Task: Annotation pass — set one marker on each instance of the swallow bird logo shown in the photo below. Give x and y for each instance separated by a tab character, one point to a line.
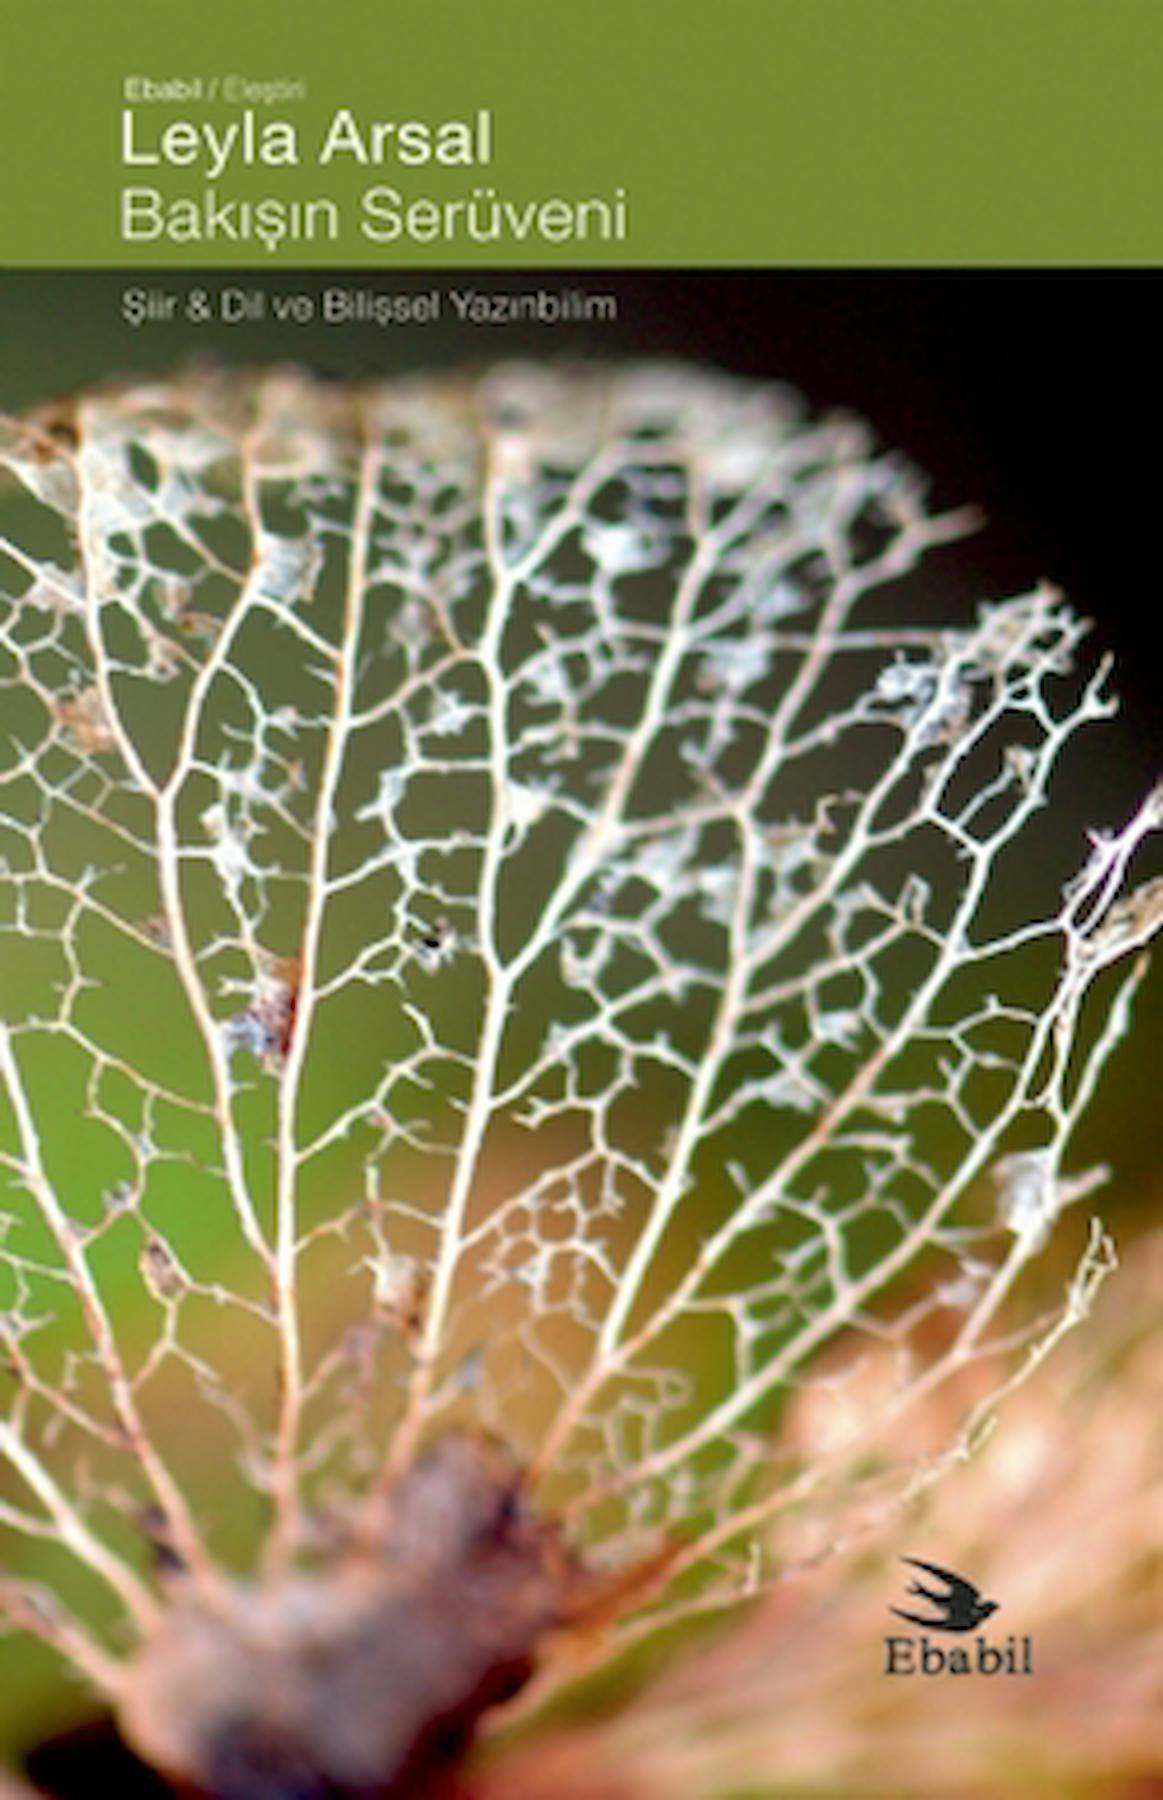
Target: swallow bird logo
959	1605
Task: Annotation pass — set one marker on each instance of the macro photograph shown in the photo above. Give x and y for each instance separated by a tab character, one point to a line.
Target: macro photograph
578	1044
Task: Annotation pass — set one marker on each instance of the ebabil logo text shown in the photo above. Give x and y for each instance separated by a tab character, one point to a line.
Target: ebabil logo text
952	1605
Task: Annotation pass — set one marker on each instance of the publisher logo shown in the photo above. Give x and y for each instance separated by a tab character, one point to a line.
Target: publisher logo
956	1603
951	1604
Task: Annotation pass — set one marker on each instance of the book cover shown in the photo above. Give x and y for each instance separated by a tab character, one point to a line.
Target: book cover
579	808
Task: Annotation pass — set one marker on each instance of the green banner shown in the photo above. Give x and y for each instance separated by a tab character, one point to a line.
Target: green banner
509	133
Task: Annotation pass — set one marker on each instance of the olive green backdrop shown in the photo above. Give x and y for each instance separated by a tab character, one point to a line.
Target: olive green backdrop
776	131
